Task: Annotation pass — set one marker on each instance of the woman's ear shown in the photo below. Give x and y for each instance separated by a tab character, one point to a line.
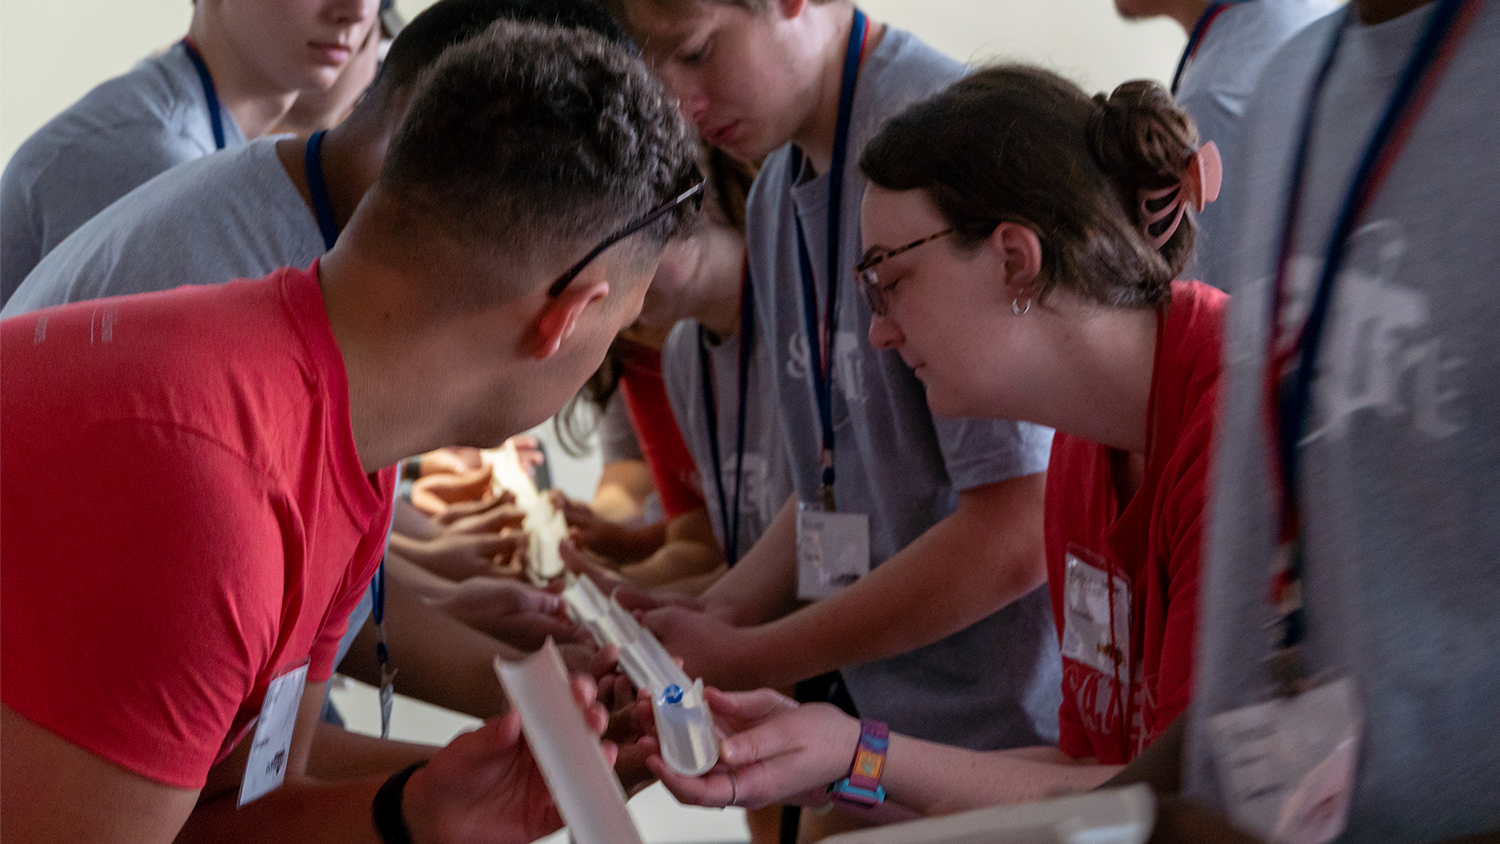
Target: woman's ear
1020	251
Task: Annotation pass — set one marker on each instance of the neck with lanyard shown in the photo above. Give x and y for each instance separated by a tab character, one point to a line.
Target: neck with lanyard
1291	362
729	514
328	227
210	93
1195	38
317	189
820	338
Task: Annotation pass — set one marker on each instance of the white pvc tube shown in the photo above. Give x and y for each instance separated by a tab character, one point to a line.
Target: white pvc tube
584	786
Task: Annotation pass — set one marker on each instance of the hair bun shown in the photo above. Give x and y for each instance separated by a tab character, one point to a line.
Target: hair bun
1141	137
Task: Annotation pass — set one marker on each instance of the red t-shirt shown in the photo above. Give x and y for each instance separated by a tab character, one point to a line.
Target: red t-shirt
1128	660
672	467
184	515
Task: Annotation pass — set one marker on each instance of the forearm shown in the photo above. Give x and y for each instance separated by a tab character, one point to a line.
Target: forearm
693	586
939	779
623	544
437	565
438	658
674	562
409	521
338	754
690	550
415	579
623	487
302	810
982	557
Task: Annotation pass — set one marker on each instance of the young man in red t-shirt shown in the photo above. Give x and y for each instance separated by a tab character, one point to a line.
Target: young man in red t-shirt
231	447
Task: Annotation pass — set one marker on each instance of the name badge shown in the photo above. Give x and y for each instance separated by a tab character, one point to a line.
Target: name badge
1287	765
266	768
1096	618
833	550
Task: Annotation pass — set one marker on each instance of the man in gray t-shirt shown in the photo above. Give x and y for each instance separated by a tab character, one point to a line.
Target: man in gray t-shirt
230	79
1400	457
948	638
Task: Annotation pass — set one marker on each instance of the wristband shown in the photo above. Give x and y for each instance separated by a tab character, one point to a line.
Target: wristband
390	823
862	786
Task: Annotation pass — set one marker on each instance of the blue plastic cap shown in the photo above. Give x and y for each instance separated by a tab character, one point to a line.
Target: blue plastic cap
672	694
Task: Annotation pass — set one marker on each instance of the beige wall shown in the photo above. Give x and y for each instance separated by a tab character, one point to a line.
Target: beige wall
52	51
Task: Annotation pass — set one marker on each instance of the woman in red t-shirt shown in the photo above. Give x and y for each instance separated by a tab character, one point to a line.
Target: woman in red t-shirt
1023	245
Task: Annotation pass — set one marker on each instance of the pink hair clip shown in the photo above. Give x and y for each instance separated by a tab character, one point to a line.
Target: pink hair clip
1199	186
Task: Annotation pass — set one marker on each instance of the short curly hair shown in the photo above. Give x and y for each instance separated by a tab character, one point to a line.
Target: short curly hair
756	7
530	136
448	22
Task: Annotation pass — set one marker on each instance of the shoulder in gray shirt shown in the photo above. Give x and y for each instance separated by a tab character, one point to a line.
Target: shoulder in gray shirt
232	215
120	134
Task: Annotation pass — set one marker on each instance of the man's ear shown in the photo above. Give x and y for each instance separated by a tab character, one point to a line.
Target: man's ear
1020	251
560	315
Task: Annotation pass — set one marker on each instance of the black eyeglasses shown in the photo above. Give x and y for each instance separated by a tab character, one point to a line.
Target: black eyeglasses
693	194
876	295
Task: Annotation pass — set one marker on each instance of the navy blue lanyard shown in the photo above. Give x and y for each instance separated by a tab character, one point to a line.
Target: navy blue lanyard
210	93
1291	388
317	188
1195	38
820	343
729	516
1290	371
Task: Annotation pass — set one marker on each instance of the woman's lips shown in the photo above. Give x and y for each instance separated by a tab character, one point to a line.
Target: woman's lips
724	134
332	53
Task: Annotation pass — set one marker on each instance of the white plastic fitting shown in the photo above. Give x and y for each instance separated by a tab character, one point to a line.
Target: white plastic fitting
684	723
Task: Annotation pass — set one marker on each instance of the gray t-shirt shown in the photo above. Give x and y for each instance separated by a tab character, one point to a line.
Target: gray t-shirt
1214	88
119	135
1402	452
232	215
997	683
766	479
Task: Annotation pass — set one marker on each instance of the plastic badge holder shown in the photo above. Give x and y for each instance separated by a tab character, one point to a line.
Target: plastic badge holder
684	723
1109	816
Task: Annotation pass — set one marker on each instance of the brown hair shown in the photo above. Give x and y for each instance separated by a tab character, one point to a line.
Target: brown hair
758	7
1023	145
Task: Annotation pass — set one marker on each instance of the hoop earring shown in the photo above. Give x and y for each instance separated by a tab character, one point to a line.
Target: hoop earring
1015	307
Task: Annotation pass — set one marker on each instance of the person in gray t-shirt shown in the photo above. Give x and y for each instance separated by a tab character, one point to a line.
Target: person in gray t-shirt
949	637
1228	47
703	287
1399	459
230	79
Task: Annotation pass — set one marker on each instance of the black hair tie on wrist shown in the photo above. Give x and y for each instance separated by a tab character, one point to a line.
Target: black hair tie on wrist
390	823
